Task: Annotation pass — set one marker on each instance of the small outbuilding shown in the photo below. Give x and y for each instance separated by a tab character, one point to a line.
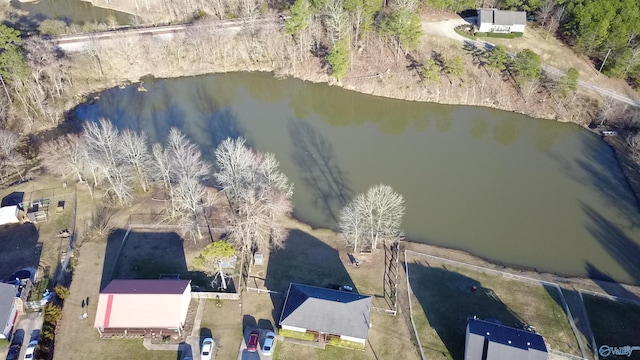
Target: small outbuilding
143	307
487	340
501	21
8	310
327	313
9	215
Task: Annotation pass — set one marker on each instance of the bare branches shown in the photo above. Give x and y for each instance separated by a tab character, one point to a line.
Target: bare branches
258	193
373	218
9	157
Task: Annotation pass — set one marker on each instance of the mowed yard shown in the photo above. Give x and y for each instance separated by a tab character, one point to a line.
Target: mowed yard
317	257
614	323
445	296
148	254
36	245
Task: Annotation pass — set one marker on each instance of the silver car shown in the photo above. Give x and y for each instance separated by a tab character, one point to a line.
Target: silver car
207	349
269	343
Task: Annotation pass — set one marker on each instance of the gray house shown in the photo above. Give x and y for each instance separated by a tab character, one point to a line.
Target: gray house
492	341
501	21
326	312
8	309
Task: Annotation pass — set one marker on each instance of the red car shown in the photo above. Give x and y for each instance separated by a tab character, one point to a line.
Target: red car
252	345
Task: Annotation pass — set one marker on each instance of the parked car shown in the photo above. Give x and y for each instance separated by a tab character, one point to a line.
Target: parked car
14	352
207	349
28	355
269	343
252	345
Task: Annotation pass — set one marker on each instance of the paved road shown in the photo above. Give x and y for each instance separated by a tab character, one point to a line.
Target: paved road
445	28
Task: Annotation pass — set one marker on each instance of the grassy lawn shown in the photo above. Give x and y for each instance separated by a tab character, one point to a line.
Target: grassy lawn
37	245
613	323
442	307
224	324
317	258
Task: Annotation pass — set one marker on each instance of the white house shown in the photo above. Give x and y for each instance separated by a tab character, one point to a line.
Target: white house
501	21
326	312
143	307
9	215
491	341
8	309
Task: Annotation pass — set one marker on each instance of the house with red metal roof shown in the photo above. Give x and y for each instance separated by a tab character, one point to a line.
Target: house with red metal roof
143	307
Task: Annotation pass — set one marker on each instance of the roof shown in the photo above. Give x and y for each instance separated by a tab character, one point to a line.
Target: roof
502	17
7	299
326	310
9	211
165	286
143	304
508	336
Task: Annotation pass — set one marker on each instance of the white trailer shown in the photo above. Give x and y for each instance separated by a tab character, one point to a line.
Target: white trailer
9	215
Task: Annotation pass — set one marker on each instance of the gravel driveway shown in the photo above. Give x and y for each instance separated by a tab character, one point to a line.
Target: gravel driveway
445	28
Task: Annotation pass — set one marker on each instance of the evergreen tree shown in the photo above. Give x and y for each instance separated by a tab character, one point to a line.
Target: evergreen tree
497	58
527	66
338	58
404	26
298	20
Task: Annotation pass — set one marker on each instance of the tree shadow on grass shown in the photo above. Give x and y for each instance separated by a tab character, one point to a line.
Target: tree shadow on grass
19	248
614	323
149	255
306	260
448	300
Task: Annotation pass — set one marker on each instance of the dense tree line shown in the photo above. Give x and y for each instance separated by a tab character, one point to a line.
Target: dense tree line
351	24
601	28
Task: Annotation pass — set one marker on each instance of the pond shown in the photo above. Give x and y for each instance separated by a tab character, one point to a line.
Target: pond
75	11
506	187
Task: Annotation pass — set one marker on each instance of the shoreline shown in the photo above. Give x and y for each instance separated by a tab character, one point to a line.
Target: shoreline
617	145
576	283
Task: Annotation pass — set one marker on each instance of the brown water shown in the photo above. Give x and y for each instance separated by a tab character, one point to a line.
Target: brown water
75	11
510	188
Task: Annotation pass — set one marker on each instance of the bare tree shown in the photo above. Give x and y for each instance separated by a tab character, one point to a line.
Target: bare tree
135	151
545	12
9	157
189	198
186	158
104	151
373	218
67	157
258	194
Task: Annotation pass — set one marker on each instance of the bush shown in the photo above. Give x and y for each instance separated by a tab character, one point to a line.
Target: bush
512	35
52	27
296	335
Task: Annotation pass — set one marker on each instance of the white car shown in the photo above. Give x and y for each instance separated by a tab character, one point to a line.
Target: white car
207	349
269	343
28	355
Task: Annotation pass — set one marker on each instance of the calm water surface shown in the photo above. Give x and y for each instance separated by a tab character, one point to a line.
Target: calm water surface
506	187
76	11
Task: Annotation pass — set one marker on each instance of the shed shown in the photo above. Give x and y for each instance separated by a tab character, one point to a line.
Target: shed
327	312
491	341
143	307
9	215
501	21
8	309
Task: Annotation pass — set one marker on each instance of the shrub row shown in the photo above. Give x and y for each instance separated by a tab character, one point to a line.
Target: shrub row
512	35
